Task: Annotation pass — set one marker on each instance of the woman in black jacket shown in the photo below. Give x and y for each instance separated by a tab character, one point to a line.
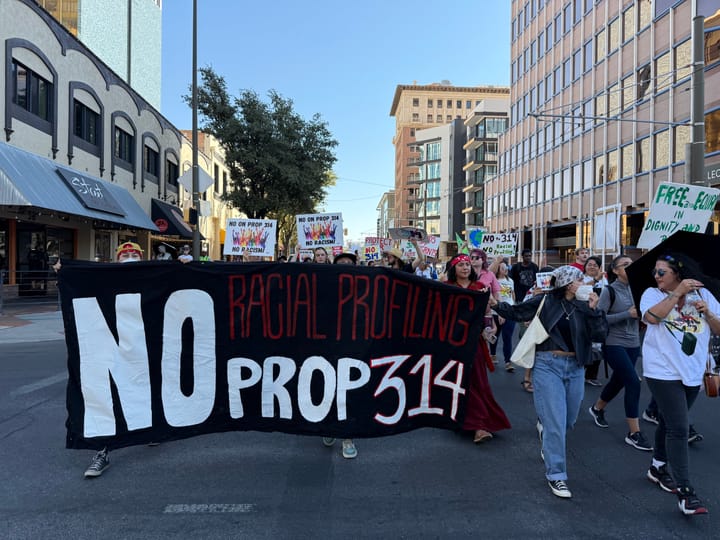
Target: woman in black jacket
558	374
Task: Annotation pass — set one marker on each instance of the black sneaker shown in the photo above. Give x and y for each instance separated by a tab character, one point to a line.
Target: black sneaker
689	504
639	441
650	417
559	489
99	463
598	416
694	436
661	477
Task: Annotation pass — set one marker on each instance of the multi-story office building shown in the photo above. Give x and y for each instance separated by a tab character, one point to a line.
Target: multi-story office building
386	214
84	157
600	108
487	122
125	34
437	192
419	107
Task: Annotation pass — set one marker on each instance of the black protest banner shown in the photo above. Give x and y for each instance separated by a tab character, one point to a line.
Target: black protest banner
160	351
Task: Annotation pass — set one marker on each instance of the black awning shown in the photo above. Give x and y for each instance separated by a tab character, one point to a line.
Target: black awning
169	220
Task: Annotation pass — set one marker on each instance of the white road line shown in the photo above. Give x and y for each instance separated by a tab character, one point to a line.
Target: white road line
42	383
208	508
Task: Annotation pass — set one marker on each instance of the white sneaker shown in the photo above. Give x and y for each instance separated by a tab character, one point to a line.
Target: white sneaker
348	449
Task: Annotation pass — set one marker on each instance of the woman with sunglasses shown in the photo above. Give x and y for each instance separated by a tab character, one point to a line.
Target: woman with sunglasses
483	415
622	350
676	311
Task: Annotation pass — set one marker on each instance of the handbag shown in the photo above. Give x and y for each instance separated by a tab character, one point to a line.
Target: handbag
688	342
524	353
711	378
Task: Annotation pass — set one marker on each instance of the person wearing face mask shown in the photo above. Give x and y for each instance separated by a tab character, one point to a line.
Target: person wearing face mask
572	325
681	315
622	350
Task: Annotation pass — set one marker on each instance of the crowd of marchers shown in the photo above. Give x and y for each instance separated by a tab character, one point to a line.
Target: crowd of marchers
591	320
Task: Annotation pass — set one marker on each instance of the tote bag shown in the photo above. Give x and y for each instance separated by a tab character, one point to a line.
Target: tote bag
524	353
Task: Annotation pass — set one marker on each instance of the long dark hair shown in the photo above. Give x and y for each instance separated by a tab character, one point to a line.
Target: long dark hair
612	276
452	275
684	266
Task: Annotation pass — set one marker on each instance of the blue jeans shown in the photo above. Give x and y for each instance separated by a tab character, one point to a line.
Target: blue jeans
559	389
622	361
505	332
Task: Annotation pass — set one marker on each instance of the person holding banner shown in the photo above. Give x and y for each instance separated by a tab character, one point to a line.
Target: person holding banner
125	253
483	415
572	324
349	451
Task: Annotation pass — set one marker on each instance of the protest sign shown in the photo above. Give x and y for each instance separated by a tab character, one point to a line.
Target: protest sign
408	233
319	230
374	247
160	352
499	244
677	207
430	246
250	237
475	237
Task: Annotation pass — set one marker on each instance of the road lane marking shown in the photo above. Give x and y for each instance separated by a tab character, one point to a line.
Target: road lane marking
37	385
208	508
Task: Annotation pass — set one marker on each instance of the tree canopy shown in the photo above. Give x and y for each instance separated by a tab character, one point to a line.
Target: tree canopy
279	162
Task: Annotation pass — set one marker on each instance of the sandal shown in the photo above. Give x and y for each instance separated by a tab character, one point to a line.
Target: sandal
482	436
527	386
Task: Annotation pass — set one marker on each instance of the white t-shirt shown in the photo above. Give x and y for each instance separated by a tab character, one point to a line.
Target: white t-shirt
662	356
507	288
185	258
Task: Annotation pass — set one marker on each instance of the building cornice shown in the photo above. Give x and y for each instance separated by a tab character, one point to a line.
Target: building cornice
400	88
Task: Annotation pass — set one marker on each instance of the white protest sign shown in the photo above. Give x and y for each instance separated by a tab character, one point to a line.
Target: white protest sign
319	230
499	244
430	247
408	250
677	207
374	247
250	237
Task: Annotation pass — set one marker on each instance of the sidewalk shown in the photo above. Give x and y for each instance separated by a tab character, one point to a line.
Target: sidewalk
30	323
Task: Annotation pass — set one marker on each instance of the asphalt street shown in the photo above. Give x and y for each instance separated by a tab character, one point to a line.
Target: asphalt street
424	484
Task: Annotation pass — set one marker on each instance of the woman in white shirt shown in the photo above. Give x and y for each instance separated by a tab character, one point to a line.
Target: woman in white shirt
681	315
505	327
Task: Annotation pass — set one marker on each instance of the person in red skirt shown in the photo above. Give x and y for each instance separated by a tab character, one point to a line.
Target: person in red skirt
483	415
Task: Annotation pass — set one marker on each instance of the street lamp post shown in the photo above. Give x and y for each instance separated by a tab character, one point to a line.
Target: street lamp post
195	172
695	150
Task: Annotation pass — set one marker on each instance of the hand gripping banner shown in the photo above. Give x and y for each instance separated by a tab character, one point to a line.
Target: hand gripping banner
159	351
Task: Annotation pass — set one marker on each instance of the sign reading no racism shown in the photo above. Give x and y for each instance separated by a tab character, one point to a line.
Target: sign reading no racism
158	352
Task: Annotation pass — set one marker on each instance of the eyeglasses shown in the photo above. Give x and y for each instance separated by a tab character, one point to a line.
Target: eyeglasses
659	272
475	257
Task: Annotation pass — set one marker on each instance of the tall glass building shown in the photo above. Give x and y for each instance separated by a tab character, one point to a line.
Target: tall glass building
125	34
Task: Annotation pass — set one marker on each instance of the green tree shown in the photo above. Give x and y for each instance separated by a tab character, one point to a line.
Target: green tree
279	162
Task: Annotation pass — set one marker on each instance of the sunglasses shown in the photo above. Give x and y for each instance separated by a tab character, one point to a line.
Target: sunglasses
476	257
659	272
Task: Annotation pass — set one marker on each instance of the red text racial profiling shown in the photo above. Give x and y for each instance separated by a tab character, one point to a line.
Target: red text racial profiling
361	308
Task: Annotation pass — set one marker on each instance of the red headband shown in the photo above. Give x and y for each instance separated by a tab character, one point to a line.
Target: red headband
459	258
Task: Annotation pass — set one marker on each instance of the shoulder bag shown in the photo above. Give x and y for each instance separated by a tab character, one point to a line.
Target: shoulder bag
524	353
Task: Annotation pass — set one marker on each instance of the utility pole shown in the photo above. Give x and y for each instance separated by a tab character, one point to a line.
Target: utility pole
195	172
695	149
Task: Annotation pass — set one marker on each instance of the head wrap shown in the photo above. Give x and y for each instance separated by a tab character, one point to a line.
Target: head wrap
126	247
565	275
459	258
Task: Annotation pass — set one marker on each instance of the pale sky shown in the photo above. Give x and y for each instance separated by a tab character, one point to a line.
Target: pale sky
342	60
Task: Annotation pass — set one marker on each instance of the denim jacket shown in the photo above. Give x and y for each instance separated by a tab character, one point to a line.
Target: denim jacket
586	325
